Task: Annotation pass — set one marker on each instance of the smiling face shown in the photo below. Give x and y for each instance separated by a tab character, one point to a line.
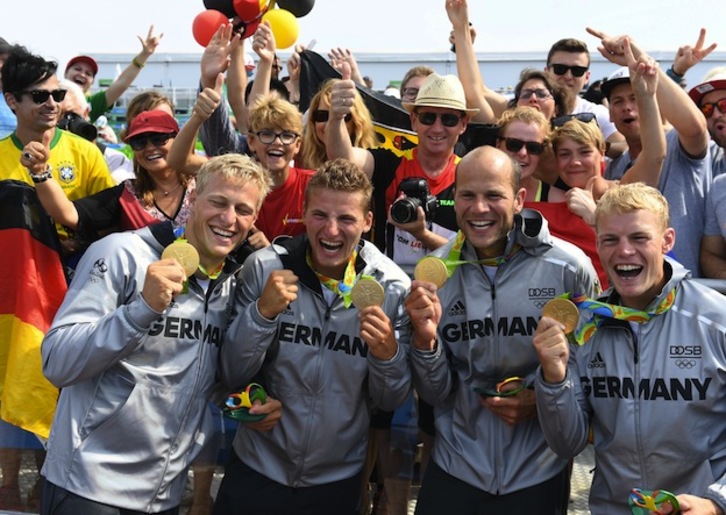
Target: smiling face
437	138
624	111
82	74
485	201
334	222
153	157
274	156
221	217
36	118
577	162
527	132
528	97
631	247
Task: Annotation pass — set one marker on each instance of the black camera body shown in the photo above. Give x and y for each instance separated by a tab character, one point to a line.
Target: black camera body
77	125
417	193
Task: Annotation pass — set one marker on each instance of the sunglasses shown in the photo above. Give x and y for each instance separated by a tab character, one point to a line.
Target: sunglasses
561	69
322	115
583	117
158	140
540	93
447	119
286	137
515	145
707	109
41	96
410	92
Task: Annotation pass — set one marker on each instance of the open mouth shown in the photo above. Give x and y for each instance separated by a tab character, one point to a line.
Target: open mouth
221	233
481	224
153	157
331	246
628	271
629	120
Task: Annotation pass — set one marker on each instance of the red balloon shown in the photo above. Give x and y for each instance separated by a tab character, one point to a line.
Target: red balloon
247	10
206	24
250	28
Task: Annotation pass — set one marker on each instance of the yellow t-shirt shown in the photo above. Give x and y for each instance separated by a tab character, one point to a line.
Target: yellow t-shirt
78	165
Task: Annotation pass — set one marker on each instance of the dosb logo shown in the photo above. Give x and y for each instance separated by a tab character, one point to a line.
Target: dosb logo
541	292
685	350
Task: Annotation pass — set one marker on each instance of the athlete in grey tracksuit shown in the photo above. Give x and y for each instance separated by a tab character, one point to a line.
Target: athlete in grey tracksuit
312	358
485	336
132	413
655	396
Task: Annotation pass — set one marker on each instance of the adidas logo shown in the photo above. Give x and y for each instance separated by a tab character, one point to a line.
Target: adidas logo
596	362
457	309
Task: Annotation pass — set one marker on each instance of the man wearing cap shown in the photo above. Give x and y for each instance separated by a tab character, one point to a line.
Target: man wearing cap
710	97
439	115
686	174
37	149
83	69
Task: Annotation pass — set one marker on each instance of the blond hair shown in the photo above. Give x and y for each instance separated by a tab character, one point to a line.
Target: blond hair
341	175
237	167
635	196
271	111
583	133
526	115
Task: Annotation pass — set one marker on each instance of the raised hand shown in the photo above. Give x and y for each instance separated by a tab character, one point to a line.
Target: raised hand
688	56
377	331
643	71
611	48
216	56
263	42
209	99
35	154
458	13
148	45
342	94
280	290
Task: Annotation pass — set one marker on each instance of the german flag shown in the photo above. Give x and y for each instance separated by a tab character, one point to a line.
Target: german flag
390	120
33	286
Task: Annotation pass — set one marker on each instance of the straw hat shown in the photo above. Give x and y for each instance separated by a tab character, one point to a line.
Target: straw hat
440	91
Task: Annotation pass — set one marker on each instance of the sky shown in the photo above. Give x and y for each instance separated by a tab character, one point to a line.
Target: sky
61	30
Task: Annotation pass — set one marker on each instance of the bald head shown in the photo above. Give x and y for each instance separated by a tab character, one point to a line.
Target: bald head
491	159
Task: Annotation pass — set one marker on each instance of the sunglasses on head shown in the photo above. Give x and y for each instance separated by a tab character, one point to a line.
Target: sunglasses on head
583	117
41	96
515	145
447	119
158	140
561	69
322	115
707	109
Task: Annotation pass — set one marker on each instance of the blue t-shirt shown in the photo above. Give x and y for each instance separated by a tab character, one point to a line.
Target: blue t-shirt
8	122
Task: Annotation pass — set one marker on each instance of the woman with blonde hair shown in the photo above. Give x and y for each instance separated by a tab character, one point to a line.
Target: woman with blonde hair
358	123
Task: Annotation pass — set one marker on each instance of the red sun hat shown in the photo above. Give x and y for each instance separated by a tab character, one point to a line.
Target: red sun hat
156	120
90	61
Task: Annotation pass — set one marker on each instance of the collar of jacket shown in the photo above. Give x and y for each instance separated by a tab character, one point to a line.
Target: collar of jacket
294	260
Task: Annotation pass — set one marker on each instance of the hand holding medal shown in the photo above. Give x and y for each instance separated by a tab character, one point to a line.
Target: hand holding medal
564	311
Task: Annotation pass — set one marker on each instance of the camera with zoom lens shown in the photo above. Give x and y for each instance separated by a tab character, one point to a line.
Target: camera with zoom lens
74	123
416	189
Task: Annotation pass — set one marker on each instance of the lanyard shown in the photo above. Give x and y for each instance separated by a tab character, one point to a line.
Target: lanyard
342	287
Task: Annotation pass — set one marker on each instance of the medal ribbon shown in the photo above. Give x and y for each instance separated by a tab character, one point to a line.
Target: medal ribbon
453	260
602	310
343	287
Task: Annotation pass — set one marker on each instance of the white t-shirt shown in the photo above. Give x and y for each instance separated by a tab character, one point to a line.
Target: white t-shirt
601	112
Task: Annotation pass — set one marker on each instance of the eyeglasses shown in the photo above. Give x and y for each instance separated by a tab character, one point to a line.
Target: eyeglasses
540	93
515	145
561	69
707	109
158	140
286	137
583	117
41	96
410	92
447	119
322	115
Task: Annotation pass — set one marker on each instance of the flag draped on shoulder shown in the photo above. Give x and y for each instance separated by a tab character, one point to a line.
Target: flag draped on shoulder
33	286
390	120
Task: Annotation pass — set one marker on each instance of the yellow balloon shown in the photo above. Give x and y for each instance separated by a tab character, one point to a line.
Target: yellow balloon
284	27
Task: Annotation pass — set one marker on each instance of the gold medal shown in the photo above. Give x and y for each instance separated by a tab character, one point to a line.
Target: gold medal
564	311
367	292
186	255
431	269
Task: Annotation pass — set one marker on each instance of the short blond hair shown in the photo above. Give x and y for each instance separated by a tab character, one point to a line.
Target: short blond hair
271	112
237	167
584	133
635	196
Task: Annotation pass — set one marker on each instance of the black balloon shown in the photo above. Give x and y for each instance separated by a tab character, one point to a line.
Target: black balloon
297	7
226	7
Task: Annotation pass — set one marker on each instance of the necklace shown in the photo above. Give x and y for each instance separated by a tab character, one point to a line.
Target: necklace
167	193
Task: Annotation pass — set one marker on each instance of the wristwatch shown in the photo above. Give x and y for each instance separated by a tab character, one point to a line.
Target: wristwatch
43	176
